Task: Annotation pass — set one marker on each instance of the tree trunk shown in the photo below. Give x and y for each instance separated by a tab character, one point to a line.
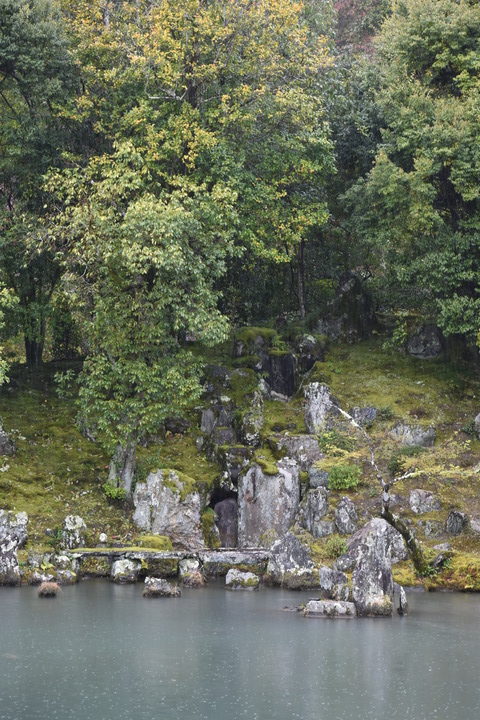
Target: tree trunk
122	466
33	352
413	546
301	279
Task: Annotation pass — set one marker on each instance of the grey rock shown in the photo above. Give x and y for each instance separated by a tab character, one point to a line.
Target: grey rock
157	587
313	508
267	502
317	477
238	580
476	423
324	528
346	518
414	435
310	350
333	584
395	544
281	372
329	609
431	528
319	407
125	571
425	343
443	547
223	435
13	535
73	532
190	573
226	512
253	421
400	602
219	562
372	575
291	565
475	524
235	459
7	445
163	508
423	501
457	522
364	416
302	448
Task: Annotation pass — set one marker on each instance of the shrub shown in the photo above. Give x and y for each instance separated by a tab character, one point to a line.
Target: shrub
332	441
396	464
344	477
335	546
113	493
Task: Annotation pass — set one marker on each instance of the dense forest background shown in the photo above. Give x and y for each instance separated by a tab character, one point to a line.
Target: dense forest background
171	169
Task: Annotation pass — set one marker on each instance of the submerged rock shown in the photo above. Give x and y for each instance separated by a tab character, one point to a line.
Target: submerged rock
400	601
267	502
329	609
238	580
157	587
164	505
48	590
73	532
13	535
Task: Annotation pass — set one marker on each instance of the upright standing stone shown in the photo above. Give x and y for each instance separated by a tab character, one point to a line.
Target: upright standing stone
73	533
13	535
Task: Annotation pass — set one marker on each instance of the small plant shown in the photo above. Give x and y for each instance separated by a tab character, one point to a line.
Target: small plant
344	477
55	538
385	413
113	493
469	428
396	464
333	442
335	546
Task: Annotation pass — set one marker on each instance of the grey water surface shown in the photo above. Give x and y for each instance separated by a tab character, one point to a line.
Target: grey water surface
102	652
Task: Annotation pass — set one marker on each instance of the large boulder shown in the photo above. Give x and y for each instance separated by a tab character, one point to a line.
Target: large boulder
165	504
423	501
291	565
302	448
313	508
13	535
226	512
329	609
7	446
333	584
267	503
364	416
414	435
238	580
346	517
157	587
394	542
372	574
476	424
310	350
457	522
318	477
320	408
425	343
73	532
125	571
234	460
253	421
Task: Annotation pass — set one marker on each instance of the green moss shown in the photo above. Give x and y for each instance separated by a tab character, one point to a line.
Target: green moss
246	362
281	416
250	333
209	531
242	385
95	567
265	458
344	477
154	542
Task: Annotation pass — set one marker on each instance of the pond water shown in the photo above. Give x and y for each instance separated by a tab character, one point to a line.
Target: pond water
102	652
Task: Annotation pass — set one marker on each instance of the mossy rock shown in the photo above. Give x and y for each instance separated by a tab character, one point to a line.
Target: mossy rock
266	460
160	543
209	529
95	566
160	567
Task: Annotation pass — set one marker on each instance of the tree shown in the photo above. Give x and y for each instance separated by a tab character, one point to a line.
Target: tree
418	209
213	143
36	77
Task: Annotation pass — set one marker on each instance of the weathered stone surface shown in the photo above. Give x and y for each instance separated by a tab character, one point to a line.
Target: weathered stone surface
253	421
218	414
400	601
423	501
267	502
333	584
190	572
157	587
73	532
281	369
320	408
310	350
219	562
13	535
414	435
7	446
476	423
475	524
302	448
456	522
234	460
364	416
223	435
238	580
425	343
324	528
395	544
313	508
372	575
431	528
317	477
290	564
164	506
226	512
346	518
329	609
125	571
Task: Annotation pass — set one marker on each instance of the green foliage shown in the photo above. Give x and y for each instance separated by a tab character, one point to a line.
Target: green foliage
335	546
333	441
113	493
344	477
209	531
396	464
